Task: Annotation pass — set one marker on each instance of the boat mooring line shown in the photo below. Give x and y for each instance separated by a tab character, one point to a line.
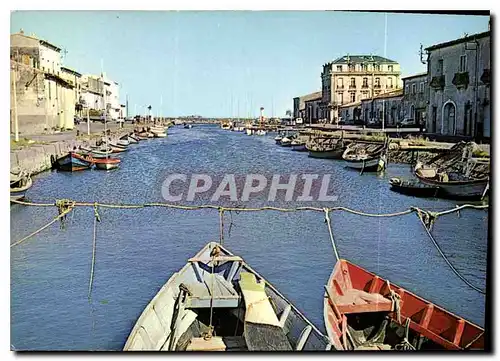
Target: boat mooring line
97	218
328	223
420	217
60	216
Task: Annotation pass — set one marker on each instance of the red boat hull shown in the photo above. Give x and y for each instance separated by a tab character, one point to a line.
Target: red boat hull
353	290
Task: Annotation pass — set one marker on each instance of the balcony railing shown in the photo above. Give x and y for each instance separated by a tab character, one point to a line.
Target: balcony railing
461	80
437	82
340	86
352	86
364	86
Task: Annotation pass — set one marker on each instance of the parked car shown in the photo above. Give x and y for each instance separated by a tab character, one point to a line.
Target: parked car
407	122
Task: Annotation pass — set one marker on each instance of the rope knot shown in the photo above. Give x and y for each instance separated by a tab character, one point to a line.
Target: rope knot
96	213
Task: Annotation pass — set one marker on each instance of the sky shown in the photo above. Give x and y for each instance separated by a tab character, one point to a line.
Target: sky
230	63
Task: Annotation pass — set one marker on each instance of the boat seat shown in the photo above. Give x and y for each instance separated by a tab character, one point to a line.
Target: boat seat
224	294
214	343
358	301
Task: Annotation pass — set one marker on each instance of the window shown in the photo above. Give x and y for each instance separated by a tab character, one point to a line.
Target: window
389	82
341	98
414	88
365	82
339	67
364	67
390	68
351	67
421	86
340	83
463	63
440	67
364	95
376	67
407	89
377	82
353	82
353	97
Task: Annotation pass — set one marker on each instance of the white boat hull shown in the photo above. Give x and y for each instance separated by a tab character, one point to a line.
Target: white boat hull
467	189
172	313
373	164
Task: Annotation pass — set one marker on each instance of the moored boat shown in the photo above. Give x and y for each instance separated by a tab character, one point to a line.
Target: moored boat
73	162
187	126
19	186
365	312
261	132
413	187
116	148
367	157
134	137
278	139
329	148
123	142
286	142
452	184
217	302
107	163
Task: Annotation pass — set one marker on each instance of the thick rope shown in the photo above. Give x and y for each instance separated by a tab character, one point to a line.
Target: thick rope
420	217
97	218
60	216
240	209
328	223
221	222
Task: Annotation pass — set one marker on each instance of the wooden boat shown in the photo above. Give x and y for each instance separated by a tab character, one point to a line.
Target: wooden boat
286	142
330	148
452	184
365	312
248	312
73	162
134	137
116	148
367	157
413	187
101	153
129	139
106	163
158	134
123	142
19	185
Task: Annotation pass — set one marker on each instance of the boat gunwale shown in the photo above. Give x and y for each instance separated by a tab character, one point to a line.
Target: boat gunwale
169	282
406	292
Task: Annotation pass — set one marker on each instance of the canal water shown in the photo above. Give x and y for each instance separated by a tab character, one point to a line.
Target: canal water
138	250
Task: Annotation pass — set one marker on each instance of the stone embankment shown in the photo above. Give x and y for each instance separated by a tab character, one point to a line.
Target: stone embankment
36	156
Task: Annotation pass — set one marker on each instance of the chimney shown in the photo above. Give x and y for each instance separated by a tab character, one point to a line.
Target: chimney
21	31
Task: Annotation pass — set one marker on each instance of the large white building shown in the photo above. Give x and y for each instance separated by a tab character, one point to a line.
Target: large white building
352	78
112	97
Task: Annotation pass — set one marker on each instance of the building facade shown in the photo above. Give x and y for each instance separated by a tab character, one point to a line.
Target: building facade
91	96
41	91
307	107
352	78
312	108
459	87
383	109
351	113
415	98
112	98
